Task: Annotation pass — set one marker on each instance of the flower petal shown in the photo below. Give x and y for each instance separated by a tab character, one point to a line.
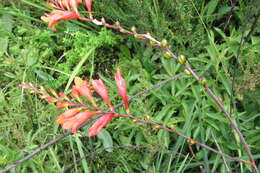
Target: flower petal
84	90
88	4
58	15
67	114
99	124
121	87
101	89
75	122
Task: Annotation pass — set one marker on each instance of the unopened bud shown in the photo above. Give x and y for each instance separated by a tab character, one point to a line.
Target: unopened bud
117	23
187	72
203	82
122	30
138	36
192	142
152	43
157	127
133	29
167	55
147	117
53	92
182	59
164	43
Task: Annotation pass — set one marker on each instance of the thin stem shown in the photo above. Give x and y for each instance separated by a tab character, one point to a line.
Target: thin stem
190	140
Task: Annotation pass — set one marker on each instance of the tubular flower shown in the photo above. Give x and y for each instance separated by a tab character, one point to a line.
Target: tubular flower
67	4
99	124
88	4
76	121
58	15
74	4
101	89
121	87
75	93
78	111
67	114
84	90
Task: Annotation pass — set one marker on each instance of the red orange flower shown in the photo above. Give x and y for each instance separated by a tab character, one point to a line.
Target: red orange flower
76	121
74	4
99	124
75	93
74	117
84	89
68	114
101	89
58	15
121	87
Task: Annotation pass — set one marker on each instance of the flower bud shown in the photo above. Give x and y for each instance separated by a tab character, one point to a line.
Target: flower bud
182	59
157	127
138	36
187	72
152	43
117	24
203	82
164	43
53	92
192	142
133	29
167	55
122	30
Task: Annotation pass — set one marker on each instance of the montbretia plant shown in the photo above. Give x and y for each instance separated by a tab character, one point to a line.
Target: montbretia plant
78	111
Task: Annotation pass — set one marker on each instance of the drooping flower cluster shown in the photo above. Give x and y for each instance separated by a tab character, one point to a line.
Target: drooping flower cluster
65	10
78	111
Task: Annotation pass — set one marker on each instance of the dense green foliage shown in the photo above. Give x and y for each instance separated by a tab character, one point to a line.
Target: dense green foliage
210	33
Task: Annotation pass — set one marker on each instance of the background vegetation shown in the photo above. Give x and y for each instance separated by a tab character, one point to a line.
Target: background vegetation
212	34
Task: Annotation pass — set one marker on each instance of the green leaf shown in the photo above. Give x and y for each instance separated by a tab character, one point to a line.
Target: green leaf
10	75
216	116
226	83
164	137
254	139
78	67
82	154
4	45
6	25
106	138
43	75
211	6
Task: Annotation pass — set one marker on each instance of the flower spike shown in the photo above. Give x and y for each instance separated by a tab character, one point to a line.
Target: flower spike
121	87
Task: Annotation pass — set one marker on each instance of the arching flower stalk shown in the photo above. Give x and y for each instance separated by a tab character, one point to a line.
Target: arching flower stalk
78	111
